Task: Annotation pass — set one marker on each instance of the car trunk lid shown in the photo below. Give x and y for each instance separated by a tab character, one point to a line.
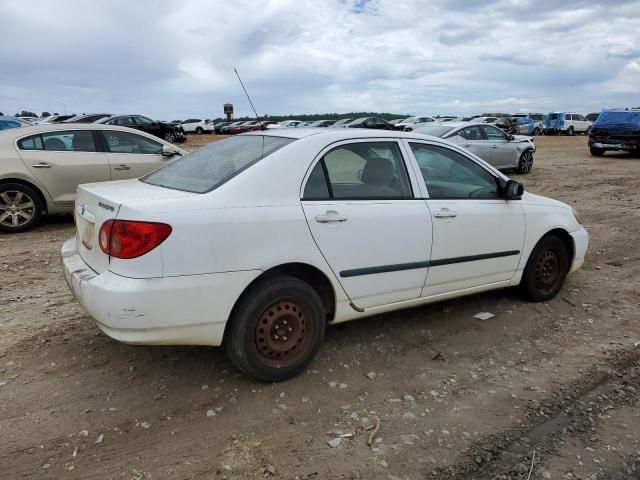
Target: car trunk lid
98	202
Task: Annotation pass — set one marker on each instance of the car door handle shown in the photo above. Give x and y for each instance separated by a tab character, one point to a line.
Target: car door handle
445	213
466	145
330	217
41	165
122	167
494	146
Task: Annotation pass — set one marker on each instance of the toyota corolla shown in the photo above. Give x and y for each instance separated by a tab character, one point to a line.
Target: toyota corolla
260	241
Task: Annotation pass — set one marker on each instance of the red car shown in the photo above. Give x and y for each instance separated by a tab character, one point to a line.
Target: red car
249	126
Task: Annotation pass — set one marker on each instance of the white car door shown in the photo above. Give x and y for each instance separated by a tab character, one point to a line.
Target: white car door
477	235
374	233
131	155
61	160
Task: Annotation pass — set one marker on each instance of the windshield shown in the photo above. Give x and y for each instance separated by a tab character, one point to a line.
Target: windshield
214	164
408	120
434	130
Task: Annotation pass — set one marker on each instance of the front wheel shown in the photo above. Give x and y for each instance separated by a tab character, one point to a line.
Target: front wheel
596	152
276	329
571	132
525	164
199	131
536	132
546	270
169	137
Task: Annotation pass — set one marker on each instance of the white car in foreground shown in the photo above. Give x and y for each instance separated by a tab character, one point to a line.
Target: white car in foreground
259	241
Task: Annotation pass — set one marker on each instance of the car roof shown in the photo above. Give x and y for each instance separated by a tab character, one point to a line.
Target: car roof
54	127
337	134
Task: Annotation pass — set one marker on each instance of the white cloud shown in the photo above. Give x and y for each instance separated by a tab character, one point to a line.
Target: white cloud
175	59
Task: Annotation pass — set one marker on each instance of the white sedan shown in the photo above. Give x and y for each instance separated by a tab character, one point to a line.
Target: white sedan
259	241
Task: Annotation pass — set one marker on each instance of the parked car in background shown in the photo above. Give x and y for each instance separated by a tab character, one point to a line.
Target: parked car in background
371	122
529	123
303	124
380	221
617	129
196	125
411	123
217	127
488	142
565	123
11	122
226	129
395	121
41	166
249	126
29	120
322	123
166	131
592	117
88	118
53	119
285	124
343	122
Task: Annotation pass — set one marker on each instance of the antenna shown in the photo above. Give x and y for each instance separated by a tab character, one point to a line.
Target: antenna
248	97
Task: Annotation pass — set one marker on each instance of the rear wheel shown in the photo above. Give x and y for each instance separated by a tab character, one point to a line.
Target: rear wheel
596	152
570	131
546	270
536	132
20	208
525	164
199	130
276	329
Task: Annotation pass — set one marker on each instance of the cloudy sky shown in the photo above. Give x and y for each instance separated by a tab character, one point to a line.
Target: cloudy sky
175	59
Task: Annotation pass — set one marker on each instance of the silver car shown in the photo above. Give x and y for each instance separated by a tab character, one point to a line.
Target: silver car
41	166
488	142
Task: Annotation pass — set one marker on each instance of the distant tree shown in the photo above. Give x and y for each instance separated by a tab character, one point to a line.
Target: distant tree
45	114
24	113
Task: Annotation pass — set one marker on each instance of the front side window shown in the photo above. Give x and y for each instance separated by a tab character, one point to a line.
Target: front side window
125	142
121	121
364	170
212	165
450	175
494	133
140	120
473	133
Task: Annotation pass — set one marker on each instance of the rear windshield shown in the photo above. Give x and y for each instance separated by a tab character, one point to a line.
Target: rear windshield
619	117
434	130
214	164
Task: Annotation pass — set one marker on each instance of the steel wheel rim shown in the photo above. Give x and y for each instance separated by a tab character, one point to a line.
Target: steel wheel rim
527	162
282	333
16	209
547	271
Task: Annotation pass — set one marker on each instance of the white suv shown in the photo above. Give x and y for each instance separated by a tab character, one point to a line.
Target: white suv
567	123
196	125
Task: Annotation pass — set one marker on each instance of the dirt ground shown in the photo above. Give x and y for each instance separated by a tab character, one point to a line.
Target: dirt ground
549	390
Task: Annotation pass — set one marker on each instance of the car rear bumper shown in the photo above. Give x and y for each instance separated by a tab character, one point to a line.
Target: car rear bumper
581	245
616	145
184	310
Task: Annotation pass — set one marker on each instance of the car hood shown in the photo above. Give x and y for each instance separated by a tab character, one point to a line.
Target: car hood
522	138
529	197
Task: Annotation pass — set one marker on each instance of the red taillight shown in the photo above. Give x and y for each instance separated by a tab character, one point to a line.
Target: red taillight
129	239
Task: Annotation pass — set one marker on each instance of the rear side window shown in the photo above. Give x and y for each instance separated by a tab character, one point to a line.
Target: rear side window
216	163
60	141
34	142
363	170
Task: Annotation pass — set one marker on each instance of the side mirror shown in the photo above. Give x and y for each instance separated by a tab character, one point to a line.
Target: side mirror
511	138
168	151
513	190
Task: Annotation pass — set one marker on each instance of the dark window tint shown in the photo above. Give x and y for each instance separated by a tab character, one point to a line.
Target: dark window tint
214	164
316	187
371	170
125	142
140	120
449	174
34	142
69	141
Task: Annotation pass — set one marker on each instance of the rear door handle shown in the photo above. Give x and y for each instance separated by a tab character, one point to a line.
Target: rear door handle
466	145
494	146
41	165
331	216
445	213
122	167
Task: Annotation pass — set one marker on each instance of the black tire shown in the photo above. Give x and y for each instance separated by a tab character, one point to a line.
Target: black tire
570	131
546	270
536	132
293	318
525	164
199	131
596	152
17	201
